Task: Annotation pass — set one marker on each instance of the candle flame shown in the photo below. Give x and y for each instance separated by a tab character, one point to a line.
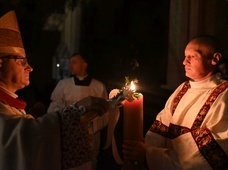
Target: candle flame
132	86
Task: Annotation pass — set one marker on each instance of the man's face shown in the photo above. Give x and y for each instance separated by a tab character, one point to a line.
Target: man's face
198	61
77	65
14	73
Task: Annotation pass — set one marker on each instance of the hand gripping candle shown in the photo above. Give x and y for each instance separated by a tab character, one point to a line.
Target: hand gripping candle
133	119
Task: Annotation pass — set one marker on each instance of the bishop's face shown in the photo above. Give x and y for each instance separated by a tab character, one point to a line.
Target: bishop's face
198	61
14	72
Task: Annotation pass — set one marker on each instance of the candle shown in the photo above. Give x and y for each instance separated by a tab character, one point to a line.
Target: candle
133	122
133	119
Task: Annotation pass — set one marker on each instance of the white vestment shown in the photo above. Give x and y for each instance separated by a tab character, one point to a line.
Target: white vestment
45	143
67	93
186	137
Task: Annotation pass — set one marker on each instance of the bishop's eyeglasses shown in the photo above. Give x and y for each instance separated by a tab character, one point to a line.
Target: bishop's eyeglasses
20	60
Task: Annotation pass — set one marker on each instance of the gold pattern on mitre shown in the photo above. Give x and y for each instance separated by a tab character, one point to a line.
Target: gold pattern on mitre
10	37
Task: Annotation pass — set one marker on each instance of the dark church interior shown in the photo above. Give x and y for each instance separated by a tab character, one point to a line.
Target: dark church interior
142	39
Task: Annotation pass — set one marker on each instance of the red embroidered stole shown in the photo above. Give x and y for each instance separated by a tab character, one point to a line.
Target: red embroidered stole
14	102
177	99
207	145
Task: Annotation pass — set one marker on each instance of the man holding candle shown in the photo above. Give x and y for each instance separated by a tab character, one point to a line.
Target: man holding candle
191	132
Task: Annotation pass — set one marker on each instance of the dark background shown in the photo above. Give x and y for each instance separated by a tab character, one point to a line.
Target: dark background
115	34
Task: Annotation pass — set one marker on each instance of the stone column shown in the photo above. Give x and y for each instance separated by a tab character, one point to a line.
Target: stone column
71	30
177	37
69	43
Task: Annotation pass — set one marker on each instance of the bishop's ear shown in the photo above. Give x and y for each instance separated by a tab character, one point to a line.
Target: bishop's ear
216	58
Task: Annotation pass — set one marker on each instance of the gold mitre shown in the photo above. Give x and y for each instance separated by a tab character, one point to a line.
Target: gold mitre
10	36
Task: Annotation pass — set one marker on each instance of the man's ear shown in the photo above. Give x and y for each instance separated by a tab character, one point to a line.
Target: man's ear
216	58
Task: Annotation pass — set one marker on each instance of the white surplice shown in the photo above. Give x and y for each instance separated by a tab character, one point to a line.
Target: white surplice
182	151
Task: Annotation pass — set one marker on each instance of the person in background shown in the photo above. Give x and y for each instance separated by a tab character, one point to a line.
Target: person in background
75	88
54	141
191	132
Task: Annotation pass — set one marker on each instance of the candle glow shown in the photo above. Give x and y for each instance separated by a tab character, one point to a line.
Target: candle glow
132	86
132	103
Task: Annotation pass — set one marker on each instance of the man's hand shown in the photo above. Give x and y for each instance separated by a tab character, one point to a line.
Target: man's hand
134	151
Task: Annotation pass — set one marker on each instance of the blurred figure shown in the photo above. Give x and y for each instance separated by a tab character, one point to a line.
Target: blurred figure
191	131
55	141
80	85
75	88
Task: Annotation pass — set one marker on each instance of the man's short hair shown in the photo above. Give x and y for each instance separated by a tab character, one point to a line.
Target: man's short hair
211	41
84	56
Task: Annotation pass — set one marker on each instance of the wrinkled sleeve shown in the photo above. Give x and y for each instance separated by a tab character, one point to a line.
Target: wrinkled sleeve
30	144
100	122
164	116
160	154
